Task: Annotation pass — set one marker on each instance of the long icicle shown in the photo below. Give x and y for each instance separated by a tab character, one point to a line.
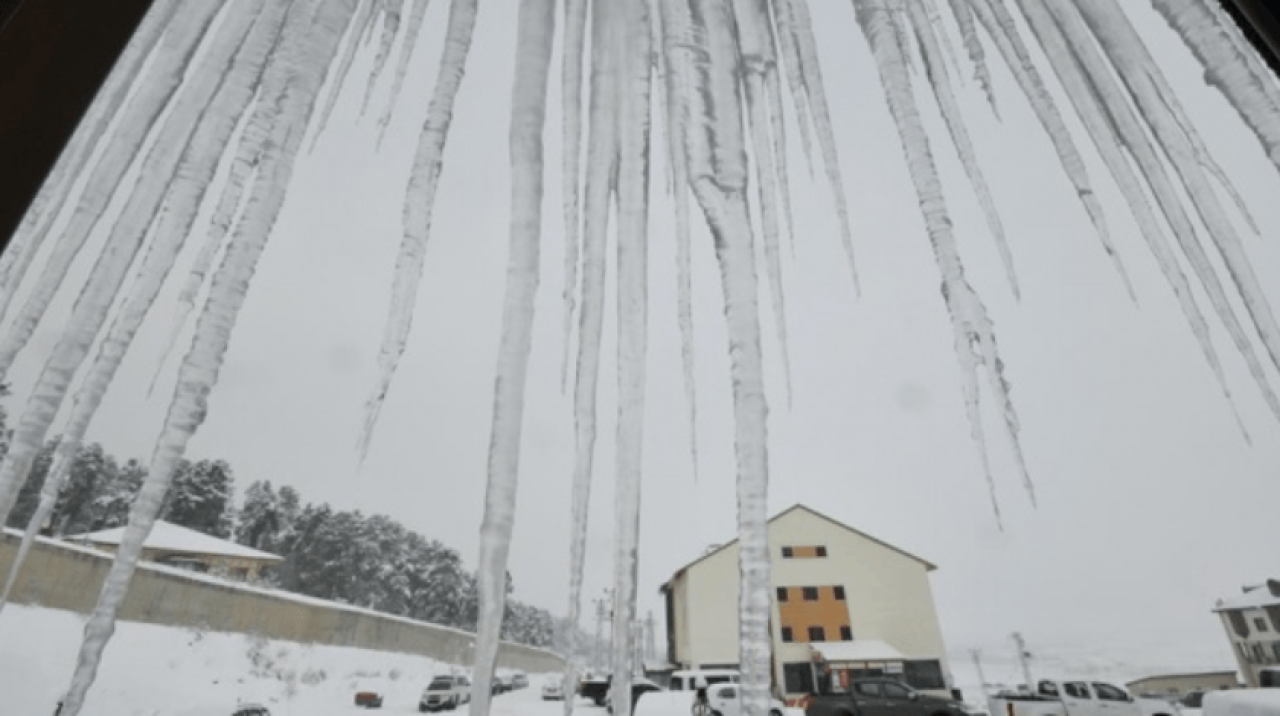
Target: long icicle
292	84
390	28
194	174
757	63
535	36
416	15
999	24
73	161
358	25
719	174
143	110
157	178
602	155
816	92
634	80
420	199
1140	145
1089	107
963	15
1227	68
940	81
974	339
784	23
1126	50
575	23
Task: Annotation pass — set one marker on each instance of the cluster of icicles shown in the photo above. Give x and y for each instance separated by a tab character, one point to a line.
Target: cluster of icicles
237	85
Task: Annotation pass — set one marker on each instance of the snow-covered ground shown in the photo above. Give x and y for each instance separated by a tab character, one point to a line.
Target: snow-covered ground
152	670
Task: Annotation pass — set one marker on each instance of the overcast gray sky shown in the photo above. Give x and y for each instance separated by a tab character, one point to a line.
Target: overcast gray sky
1151	504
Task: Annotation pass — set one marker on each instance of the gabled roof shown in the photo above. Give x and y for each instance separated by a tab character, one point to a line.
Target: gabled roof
929	566
172	538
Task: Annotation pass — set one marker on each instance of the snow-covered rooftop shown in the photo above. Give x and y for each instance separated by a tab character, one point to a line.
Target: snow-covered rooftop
1255	598
858	650
172	538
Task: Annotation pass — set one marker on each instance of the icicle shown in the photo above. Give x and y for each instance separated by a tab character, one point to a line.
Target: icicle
963	15
155	90
1227	68
778	125
1136	139
535	36
757	62
677	32
941	83
817	94
360	22
633	80
974	339
390	28
420	199
939	31
292	83
575	22
156	179
602	155
1087	102
1000	26
789	44
194	174
718	170
73	161
416	14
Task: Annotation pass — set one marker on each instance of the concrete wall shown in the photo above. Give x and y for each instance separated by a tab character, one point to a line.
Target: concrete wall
62	576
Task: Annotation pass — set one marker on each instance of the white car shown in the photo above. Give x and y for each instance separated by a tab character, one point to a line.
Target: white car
553	690
1242	702
445	692
726	700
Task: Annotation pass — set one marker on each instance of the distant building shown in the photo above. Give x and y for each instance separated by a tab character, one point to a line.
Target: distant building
1180	684
180	547
1252	623
843	605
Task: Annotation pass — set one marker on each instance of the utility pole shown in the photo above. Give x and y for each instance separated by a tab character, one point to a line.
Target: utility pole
1024	658
982	680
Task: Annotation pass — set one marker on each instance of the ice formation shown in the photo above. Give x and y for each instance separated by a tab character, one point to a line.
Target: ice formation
234	86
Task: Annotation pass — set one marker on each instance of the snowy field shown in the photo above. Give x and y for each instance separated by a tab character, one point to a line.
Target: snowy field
163	671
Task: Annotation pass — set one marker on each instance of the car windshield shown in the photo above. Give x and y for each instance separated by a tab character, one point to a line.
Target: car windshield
440	685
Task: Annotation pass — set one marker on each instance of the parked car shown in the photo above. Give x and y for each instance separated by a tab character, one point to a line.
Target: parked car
445	692
726	700
687	679
553	690
519	680
503	684
887	697
251	710
369	699
1243	702
1079	698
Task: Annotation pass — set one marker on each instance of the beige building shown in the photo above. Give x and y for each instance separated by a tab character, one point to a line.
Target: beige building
1182	684
1252	622
185	548
844	605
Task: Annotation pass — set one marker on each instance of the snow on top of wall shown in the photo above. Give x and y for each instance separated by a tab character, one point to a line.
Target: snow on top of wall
1255	598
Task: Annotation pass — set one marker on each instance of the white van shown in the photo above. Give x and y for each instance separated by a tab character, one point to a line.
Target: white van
687	680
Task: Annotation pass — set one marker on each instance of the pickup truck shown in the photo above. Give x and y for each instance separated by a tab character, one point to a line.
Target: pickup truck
885	697
1079	698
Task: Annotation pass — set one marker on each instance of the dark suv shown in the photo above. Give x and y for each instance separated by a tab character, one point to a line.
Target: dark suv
884	697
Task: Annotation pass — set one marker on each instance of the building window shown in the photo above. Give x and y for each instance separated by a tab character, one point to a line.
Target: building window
788	553
817	634
787	636
1275	648
820	551
798	677
1258	653
1238	623
1260	624
846	634
839	593
1243	648
782	594
810	594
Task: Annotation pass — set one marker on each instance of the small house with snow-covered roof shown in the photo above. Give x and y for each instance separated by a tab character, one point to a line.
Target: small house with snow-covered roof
1252	622
176	546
